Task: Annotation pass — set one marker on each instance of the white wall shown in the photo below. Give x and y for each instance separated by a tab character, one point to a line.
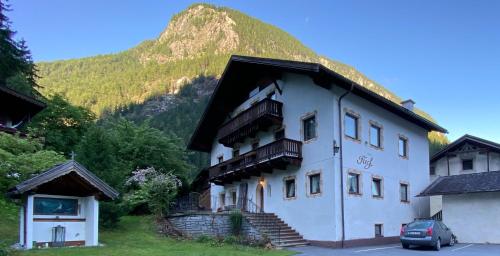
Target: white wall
41	231
318	217
473	218
480	164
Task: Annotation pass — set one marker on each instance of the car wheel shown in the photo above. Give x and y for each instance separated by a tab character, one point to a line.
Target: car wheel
406	246
437	247
452	241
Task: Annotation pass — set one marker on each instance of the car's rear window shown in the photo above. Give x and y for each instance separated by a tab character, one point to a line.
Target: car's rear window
420	224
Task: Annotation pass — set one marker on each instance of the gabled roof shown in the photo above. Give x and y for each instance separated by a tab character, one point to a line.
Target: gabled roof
473	140
70	167
241	75
14	97
464	184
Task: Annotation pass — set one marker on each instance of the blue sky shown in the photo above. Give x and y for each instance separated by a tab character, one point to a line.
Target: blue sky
443	54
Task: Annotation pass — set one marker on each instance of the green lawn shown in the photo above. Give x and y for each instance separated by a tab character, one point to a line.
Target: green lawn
135	236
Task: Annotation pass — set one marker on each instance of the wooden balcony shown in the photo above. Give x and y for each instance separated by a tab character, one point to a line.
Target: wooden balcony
246	124
275	155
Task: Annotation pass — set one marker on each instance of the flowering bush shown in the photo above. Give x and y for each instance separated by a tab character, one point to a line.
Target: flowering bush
153	188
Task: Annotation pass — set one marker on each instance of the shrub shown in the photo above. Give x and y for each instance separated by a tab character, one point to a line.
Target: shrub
110	214
236	219
203	239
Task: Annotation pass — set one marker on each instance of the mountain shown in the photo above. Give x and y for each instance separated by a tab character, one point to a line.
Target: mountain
176	72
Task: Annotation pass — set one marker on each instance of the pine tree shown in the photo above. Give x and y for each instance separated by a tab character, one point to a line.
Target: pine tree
17	68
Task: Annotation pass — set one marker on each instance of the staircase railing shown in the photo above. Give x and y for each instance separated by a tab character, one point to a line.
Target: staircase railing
438	216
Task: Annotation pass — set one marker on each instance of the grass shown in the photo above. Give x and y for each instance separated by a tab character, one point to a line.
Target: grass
134	236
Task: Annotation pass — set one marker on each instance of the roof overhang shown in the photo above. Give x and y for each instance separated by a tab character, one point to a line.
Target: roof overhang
70	171
17	104
464	184
244	73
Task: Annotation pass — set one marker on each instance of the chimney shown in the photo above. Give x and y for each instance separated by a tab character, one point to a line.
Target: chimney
408	104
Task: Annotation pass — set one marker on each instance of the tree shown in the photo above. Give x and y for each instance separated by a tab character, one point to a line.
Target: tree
61	124
17	69
20	158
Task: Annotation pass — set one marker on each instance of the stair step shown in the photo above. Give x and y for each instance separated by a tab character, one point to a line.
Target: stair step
275	229
292	244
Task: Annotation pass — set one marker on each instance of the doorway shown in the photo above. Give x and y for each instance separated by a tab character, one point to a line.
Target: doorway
260	198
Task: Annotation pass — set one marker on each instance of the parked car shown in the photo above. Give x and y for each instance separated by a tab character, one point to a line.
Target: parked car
427	232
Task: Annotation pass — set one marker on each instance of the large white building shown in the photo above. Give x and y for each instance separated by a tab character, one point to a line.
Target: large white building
465	189
337	162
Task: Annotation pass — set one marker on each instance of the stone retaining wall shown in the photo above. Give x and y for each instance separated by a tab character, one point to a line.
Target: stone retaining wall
210	224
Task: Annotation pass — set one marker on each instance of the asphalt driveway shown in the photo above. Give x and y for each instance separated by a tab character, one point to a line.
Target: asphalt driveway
397	250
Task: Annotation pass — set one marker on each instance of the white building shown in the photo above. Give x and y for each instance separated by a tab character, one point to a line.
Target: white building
466	189
60	207
337	162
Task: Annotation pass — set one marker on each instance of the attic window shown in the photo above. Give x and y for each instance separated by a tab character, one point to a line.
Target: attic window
467	164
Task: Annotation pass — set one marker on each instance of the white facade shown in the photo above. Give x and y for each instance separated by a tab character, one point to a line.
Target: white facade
81	228
473	217
318	217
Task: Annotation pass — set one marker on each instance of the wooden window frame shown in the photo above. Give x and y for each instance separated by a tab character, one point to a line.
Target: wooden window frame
471	164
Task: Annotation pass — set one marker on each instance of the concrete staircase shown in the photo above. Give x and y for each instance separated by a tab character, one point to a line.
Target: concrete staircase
275	229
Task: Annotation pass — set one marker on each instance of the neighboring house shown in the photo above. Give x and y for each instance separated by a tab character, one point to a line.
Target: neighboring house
16	109
465	191
60	207
337	162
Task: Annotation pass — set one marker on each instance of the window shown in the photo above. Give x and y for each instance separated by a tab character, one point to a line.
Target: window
432	170
290	188
236	152
353	184
271	95
467	164
403	147
222	199
375	136
403	192
220	159
314	184
309	125
233	197
279	134
378	230
376	187
55	206
255	145
351	126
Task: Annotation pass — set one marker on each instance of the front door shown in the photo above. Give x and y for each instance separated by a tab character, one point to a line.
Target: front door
242	200
260	198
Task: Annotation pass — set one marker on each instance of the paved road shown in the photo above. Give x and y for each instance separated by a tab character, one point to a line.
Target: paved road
397	250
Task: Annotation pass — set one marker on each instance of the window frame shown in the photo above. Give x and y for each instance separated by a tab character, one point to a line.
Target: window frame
309	177
234	197
285	187
304	119
381	186
76	211
380	136
405	148
358	183
381	229
407	192
357	120
471	160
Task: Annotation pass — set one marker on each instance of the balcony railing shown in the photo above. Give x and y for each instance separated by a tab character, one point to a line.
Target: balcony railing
259	116
276	155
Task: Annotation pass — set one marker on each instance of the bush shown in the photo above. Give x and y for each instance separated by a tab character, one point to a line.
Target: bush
204	239
110	214
236	219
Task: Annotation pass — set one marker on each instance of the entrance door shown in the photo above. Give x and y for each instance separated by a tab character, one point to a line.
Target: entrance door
260	198
242	200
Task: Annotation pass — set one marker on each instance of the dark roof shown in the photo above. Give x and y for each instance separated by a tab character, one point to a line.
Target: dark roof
17	106
241	75
70	167
492	146
464	184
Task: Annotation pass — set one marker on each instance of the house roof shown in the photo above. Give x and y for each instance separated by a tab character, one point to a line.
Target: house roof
11	96
482	143
464	184
71	168
243	73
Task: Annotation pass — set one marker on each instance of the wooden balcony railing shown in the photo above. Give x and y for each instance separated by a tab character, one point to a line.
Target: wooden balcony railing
275	155
259	116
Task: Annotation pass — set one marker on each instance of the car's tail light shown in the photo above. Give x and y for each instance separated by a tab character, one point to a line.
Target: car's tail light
402	231
429	231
